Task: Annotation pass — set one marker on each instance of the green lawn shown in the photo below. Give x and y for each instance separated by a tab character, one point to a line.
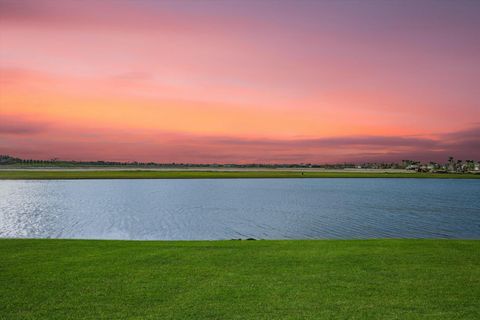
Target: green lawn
23	174
324	279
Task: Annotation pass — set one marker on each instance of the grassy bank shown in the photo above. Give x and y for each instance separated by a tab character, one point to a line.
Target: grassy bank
372	279
25	174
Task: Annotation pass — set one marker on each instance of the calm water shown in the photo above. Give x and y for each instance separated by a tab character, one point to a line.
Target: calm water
233	208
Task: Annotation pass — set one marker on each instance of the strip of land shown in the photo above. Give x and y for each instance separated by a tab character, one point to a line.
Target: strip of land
188	174
325	279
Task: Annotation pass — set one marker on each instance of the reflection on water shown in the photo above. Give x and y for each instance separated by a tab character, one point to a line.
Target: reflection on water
237	208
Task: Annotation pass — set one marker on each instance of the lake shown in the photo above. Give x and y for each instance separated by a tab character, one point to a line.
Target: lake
240	208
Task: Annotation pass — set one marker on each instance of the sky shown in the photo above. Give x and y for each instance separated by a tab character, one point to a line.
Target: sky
240	81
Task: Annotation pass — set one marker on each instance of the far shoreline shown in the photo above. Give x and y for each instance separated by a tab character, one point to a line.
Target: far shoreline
212	173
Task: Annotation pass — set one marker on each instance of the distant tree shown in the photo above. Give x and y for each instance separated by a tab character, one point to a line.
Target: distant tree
451	164
459	166
469	165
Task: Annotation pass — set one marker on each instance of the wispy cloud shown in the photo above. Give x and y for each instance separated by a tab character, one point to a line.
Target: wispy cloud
153	145
21	125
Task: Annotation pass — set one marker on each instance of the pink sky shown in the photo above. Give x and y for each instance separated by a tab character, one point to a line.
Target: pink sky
240	81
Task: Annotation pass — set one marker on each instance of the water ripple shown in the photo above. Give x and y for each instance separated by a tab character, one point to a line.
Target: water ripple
227	209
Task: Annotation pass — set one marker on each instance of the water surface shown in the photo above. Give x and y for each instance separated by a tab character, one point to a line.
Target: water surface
240	208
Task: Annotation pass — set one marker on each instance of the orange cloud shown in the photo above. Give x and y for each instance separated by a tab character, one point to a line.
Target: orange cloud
118	71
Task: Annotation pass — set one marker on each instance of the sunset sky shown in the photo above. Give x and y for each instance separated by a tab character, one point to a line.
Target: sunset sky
240	81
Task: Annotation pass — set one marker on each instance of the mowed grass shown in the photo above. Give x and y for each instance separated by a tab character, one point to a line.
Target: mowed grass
145	174
325	279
